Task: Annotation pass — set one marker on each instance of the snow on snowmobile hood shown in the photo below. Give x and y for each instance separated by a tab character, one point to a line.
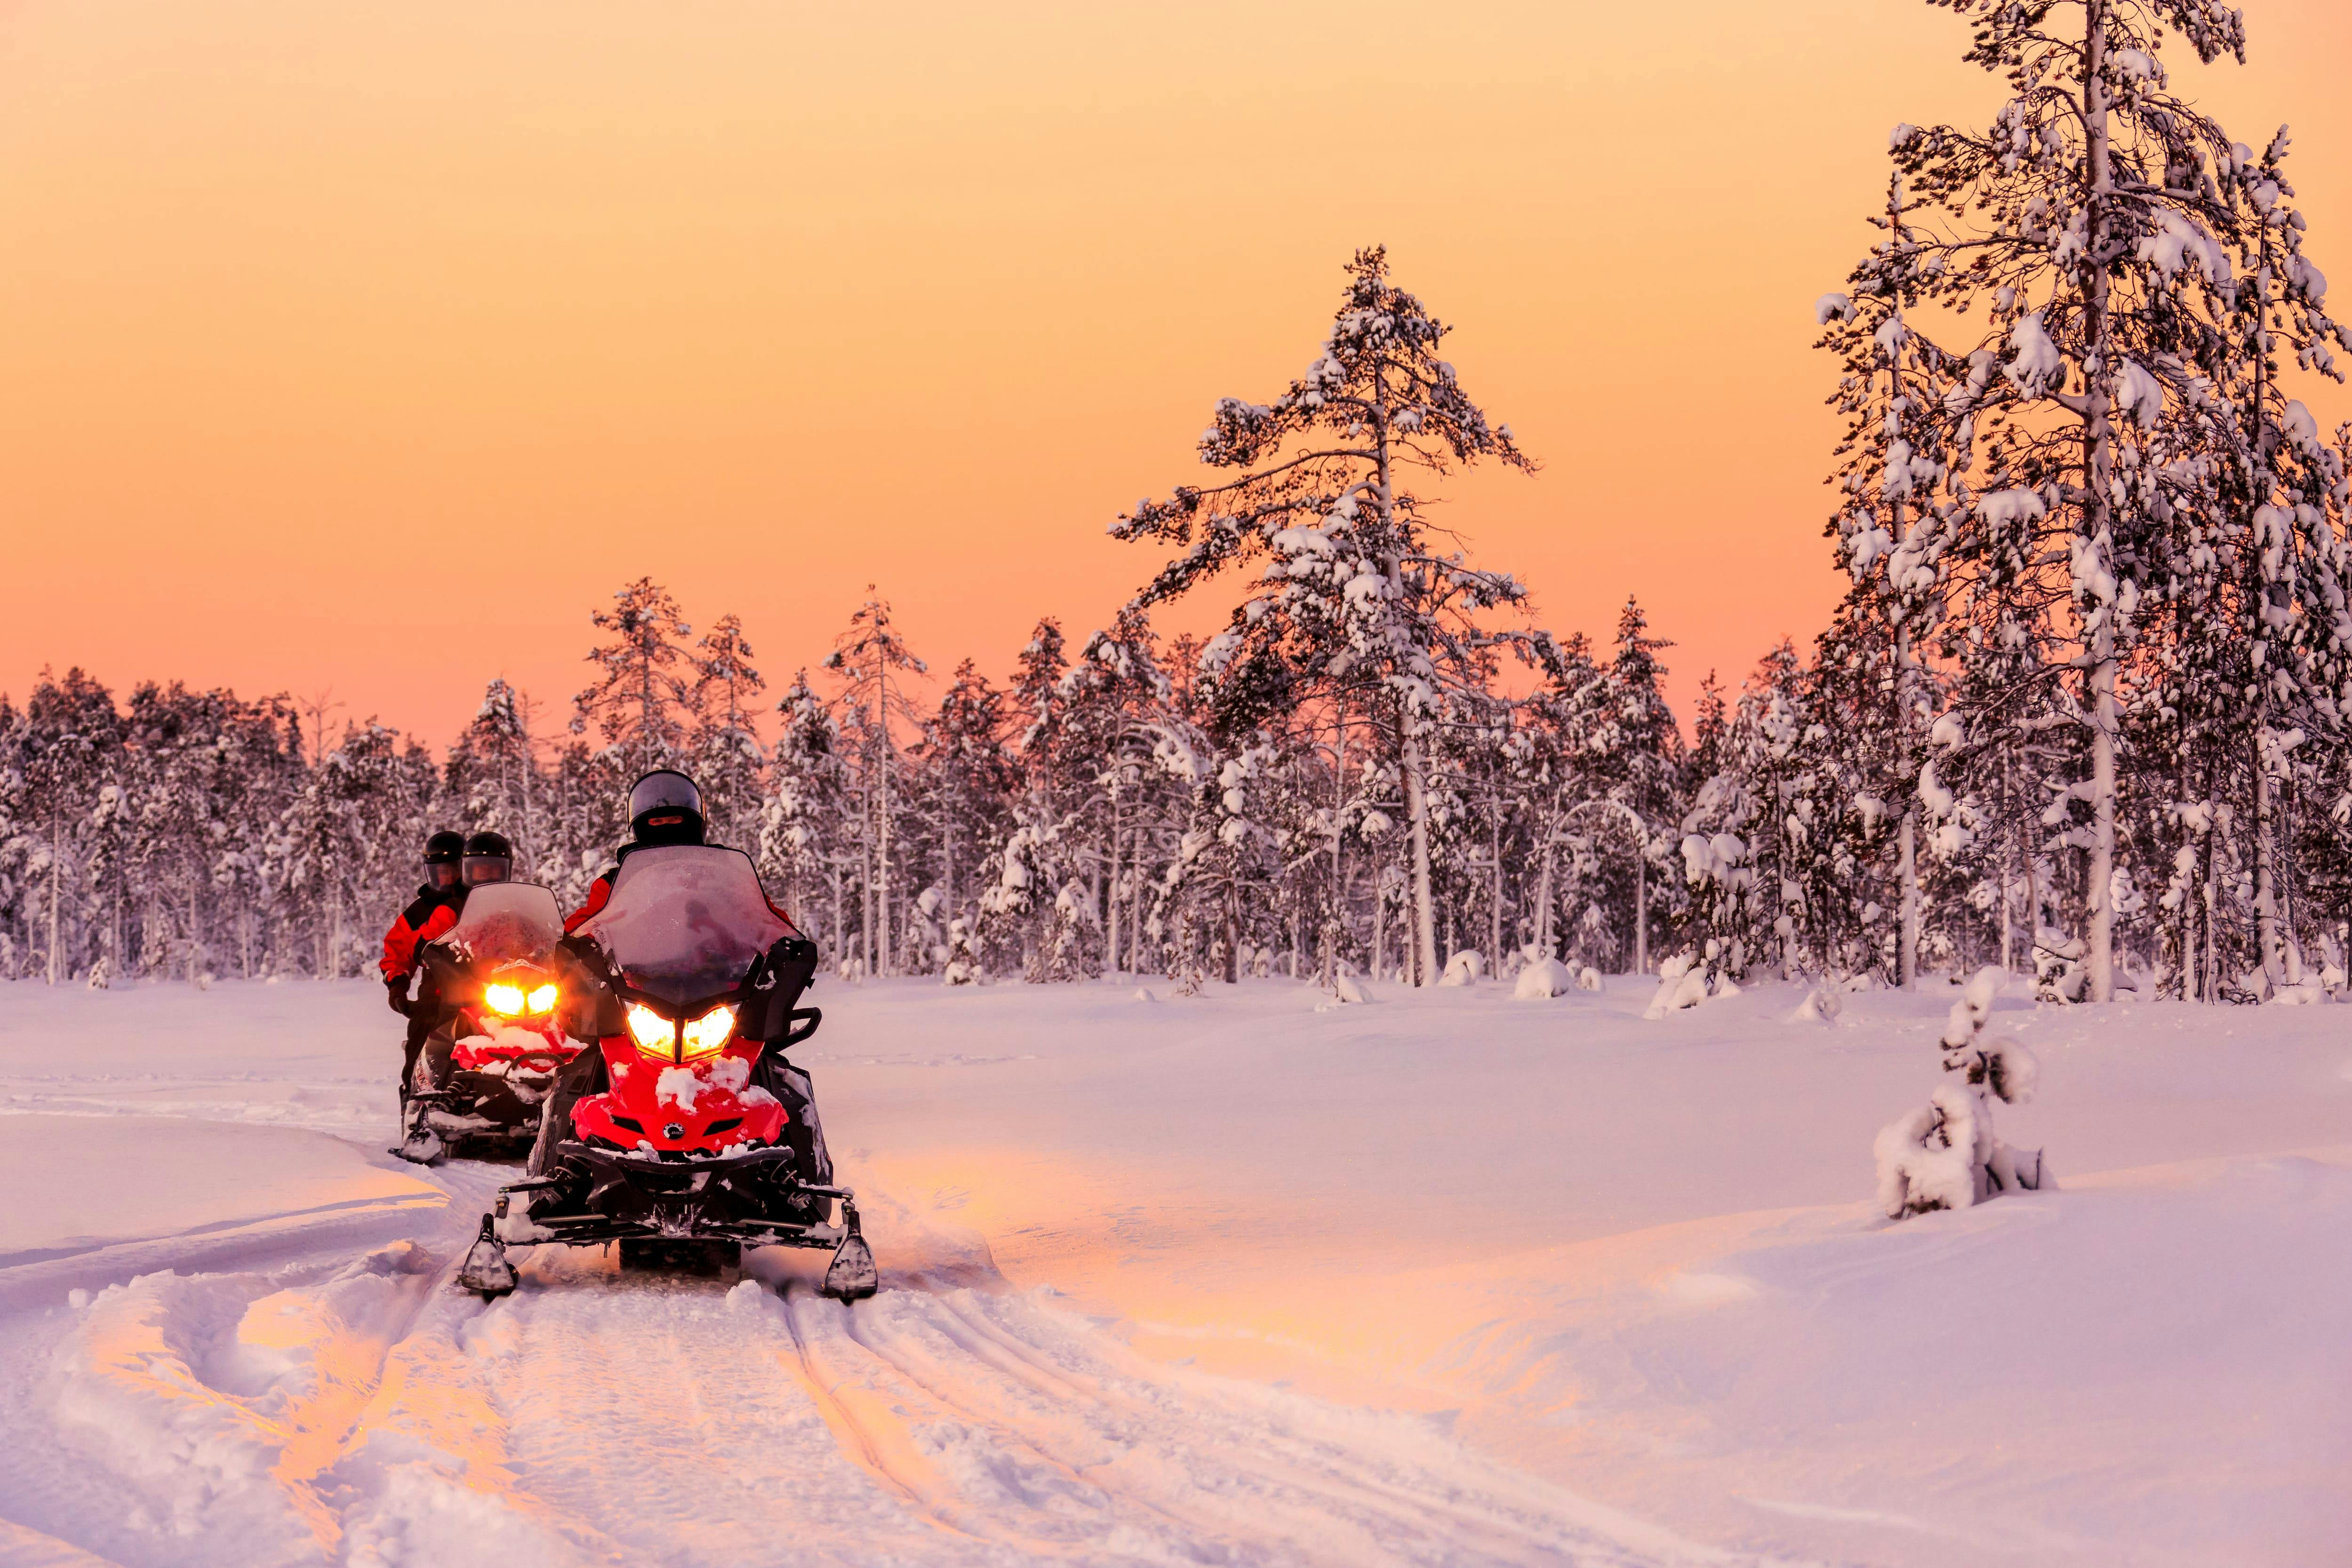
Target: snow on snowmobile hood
686	921
506	921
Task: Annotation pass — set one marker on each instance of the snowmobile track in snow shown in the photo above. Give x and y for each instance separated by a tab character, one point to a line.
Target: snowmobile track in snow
361	1410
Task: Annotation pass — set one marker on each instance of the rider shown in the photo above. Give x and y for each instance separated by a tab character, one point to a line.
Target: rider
488	859
664	807
433	913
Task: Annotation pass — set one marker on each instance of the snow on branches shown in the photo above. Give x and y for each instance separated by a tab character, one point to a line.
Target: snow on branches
1944	1155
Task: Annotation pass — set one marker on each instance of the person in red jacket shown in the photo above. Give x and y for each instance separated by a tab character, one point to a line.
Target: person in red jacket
663	809
433	913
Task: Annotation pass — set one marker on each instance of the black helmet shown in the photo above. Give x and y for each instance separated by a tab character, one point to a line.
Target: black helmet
441	855
488	859
666	808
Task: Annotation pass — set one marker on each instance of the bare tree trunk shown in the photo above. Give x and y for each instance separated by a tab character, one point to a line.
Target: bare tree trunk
56	871
1135	909
1334	923
2097	522
1907	854
1641	909
1232	933
1495	915
1544	897
1110	887
2212	908
1416	806
2007	920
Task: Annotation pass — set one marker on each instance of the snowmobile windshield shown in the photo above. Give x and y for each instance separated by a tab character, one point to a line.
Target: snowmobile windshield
686	921
506	921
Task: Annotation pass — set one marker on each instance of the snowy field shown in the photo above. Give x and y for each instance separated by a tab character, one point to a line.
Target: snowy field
1450	1278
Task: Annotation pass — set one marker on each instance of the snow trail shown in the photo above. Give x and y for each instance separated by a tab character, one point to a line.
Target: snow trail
373	1414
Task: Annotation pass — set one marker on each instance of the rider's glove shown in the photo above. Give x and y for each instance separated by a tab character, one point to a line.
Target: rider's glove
396	992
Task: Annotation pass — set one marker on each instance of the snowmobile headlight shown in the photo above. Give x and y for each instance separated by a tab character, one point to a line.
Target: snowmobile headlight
507	1001
656	1036
542	1000
708	1034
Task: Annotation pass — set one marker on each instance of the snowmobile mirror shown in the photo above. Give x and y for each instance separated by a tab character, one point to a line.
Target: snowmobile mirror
799	1025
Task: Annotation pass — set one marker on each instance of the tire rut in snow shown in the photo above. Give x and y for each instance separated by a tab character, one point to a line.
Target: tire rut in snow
1060	1439
375	1415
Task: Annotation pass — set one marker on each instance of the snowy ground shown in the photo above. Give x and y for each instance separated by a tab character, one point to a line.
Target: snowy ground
1449	1279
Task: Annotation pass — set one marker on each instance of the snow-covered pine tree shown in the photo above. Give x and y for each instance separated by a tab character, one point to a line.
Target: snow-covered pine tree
804	821
492	778
968	780
1894	515
1354	593
1749	839
2088	223
644	691
873	663
723	747
69	746
2285	508
1109	717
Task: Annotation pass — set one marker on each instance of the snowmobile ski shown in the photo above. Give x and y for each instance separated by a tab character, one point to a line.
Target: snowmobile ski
851	1275
486	1270
423	1145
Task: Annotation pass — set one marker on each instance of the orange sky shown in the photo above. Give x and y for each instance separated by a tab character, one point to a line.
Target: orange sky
366	347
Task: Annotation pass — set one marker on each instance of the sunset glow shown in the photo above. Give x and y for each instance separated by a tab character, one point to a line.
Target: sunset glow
368	349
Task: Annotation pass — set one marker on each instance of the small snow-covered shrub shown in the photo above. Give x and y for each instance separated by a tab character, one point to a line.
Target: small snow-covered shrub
962	967
2060	971
1350	990
1944	1155
1588	979
1462	969
1822	1004
101	974
1543	977
1682	983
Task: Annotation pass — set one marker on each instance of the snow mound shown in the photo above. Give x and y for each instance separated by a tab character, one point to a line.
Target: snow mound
1462	969
1350	990
1682	983
1543	978
1822	1004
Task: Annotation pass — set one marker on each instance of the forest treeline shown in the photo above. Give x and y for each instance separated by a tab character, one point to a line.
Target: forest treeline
2081	712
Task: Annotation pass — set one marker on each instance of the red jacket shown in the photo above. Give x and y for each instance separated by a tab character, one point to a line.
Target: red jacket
433	914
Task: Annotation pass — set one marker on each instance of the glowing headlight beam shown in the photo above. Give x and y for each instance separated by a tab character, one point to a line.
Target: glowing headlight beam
542	1000
708	1034
502	999
656	1036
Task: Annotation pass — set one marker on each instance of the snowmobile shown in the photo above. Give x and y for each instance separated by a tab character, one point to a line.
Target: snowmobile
497	1046
683	1129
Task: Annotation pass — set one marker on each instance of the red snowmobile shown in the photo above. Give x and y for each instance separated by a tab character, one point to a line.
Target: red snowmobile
494	1054
683	1131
